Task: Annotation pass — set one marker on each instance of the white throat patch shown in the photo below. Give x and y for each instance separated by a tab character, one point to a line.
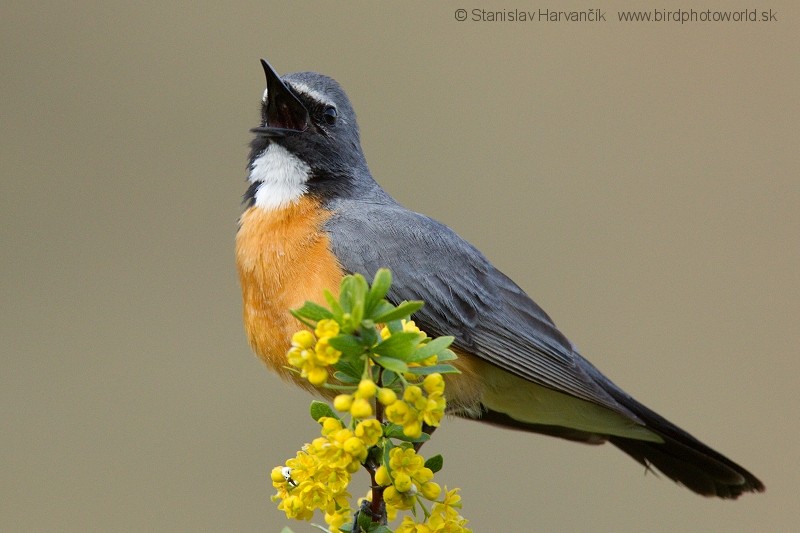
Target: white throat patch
282	177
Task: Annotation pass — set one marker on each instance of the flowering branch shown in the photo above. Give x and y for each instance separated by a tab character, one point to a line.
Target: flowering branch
386	377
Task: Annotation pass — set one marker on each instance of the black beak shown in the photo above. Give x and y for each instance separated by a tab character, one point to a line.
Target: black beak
285	113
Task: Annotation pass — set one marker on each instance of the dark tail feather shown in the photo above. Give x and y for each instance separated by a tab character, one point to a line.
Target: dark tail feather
692	466
683	458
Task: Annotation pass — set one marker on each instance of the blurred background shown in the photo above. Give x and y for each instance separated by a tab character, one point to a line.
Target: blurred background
639	180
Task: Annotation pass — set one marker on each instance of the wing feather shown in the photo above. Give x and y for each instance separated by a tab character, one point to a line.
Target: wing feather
489	315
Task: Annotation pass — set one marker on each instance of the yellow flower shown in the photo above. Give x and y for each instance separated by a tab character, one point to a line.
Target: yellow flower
330	425
314	495
302	467
398	413
433	410
369	431
413	429
297	356
405	461
402	482
337	519
400	501
326	354
326	328
381	476
294	507
336	479
311	366
433	383
409	526
355	447
452	498
303	339
412	394
423	475
442	519
449	505
277	475
410	326
430	490
316	375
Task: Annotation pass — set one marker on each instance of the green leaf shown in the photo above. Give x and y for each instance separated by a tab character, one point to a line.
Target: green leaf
334	305
395	326
369	335
319	409
390	363
345	294
447	355
400	345
379	529
349	345
404	310
352	291
286	530
388	378
441	369
433	347
380	286
435	463
393	431
345	378
351	367
312	311
331	386
364	521
380	308
358	298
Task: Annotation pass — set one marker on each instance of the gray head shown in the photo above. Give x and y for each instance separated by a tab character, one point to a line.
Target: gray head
308	141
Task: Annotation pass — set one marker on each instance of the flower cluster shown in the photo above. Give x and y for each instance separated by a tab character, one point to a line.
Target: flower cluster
388	376
405	477
318	476
312	355
358	404
443	518
419	404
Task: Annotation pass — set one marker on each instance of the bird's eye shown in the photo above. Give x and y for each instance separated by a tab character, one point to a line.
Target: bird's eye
330	116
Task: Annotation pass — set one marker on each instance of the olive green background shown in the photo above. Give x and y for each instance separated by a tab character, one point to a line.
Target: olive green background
639	180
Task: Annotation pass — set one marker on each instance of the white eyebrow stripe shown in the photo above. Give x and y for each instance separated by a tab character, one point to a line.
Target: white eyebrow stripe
308	91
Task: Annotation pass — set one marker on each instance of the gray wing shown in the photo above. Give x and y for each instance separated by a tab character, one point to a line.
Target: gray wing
465	296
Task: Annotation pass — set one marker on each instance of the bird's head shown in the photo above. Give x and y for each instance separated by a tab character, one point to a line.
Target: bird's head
308	140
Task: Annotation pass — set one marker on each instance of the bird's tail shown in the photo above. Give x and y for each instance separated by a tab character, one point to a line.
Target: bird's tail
683	458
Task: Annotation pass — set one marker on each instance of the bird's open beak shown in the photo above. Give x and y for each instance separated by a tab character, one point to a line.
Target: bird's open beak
285	113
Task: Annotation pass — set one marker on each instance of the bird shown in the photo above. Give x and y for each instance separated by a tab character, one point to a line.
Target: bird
313	213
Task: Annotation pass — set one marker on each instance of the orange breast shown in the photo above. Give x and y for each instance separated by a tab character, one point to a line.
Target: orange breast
284	259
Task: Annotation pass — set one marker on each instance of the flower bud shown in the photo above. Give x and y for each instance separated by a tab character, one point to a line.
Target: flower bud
343	402
361	408
366	389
